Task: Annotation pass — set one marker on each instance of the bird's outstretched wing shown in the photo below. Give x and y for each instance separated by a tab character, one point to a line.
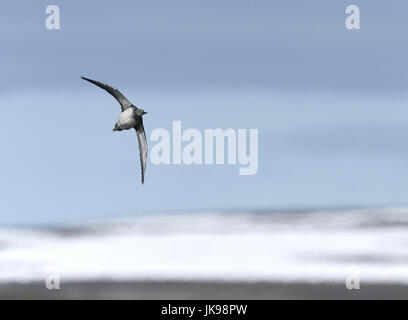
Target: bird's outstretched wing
141	137
124	103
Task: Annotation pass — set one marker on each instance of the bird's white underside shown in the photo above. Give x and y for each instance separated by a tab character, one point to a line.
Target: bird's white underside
126	120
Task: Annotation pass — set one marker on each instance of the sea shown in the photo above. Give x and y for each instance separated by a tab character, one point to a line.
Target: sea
314	245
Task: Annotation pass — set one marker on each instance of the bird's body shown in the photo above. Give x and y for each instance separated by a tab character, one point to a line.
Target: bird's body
130	117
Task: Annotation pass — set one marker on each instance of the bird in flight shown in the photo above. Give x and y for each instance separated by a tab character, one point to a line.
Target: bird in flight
131	117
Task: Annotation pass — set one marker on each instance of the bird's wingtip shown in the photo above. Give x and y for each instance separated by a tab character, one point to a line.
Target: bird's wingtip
87	79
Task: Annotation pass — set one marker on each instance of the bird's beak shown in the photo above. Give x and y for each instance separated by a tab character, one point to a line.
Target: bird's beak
144	112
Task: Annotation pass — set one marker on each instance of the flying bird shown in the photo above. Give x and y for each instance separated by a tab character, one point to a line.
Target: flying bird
131	117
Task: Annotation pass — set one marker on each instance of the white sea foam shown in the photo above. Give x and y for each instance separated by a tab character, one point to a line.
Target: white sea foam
280	246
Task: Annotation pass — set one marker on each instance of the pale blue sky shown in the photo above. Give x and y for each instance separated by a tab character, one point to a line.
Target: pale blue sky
330	105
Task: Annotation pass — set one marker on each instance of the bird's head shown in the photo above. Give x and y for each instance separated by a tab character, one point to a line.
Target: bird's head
141	112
